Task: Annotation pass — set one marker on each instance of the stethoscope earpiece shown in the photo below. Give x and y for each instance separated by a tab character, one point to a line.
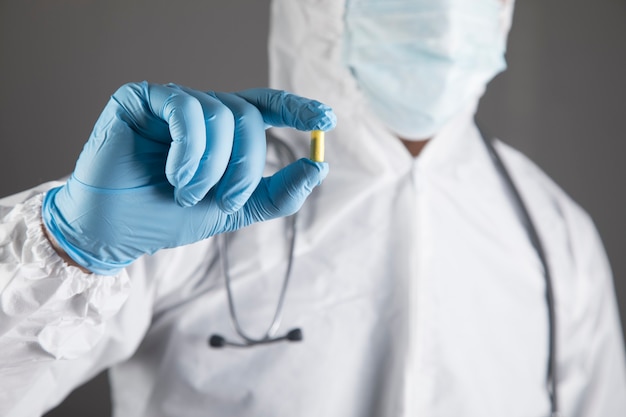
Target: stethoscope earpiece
218	341
294	335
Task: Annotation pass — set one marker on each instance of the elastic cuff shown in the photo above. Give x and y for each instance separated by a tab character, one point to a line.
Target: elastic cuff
49	214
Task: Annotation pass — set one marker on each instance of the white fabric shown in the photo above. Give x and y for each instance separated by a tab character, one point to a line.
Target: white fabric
414	282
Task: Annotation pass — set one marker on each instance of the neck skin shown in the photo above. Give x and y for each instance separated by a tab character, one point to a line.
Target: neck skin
414	146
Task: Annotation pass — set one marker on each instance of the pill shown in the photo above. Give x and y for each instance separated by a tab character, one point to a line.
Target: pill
317	146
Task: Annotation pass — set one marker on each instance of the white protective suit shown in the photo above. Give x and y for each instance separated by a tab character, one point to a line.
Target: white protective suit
414	281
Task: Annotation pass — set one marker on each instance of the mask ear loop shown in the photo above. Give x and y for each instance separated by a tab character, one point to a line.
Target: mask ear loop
533	235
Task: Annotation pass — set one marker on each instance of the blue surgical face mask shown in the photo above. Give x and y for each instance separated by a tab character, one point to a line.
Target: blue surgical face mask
419	62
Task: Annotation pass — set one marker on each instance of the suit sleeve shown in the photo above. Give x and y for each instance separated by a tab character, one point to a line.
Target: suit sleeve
52	315
605	390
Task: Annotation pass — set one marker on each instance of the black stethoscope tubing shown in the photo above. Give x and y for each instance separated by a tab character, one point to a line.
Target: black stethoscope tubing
535	240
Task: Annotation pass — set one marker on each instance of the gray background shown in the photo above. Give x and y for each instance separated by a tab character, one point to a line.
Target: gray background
561	102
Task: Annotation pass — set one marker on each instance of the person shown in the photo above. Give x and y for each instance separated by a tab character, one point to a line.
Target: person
411	275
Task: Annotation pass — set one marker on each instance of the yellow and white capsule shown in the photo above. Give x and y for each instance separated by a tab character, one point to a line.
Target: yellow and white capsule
317	146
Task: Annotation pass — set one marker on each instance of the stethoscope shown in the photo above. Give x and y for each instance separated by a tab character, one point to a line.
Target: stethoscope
295	334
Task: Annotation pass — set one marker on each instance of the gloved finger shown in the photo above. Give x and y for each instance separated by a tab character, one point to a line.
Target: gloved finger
247	159
282	109
133	98
282	194
218	125
184	116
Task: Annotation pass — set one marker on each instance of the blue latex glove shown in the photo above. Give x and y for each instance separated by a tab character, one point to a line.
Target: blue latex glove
167	166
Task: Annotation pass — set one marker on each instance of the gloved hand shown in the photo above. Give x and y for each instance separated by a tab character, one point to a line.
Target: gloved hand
167	166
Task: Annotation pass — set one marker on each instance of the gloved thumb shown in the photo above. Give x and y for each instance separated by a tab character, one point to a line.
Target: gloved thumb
283	193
